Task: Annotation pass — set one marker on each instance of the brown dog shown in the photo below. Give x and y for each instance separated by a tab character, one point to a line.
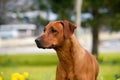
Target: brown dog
75	63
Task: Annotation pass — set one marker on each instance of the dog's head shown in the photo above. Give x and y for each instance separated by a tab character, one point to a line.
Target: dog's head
54	34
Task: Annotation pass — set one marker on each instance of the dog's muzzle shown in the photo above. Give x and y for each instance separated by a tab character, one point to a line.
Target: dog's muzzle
38	43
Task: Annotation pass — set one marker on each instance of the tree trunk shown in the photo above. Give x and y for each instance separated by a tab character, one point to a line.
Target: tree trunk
95	41
78	7
95	31
3	11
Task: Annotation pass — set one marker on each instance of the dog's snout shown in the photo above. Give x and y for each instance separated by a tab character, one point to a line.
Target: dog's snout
38	43
37	40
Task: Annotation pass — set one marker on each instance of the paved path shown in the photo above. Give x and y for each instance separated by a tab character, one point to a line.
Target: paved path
24	49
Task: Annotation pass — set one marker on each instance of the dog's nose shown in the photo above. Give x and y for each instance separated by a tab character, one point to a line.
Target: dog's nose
38	43
37	40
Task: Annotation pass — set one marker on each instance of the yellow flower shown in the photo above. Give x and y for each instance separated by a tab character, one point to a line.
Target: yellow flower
25	74
1	73
15	76
118	79
21	77
1	78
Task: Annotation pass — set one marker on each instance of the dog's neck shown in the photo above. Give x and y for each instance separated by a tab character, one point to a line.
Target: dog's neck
67	53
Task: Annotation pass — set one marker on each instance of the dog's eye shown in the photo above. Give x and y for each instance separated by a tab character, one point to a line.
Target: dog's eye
53	31
44	30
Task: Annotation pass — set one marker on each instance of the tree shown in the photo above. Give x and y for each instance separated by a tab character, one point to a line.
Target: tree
63	8
41	5
2	11
104	12
66	10
78	7
113	18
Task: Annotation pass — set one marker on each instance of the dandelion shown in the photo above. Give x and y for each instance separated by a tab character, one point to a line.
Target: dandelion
15	76
1	73
25	74
118	79
1	78
21	77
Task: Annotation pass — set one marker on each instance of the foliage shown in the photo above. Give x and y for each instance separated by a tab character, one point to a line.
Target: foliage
104	14
109	58
40	21
64	9
43	5
117	76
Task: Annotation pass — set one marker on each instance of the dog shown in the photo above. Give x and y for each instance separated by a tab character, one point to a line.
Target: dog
75	63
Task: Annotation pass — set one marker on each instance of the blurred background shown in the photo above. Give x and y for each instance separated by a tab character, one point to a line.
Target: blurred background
21	21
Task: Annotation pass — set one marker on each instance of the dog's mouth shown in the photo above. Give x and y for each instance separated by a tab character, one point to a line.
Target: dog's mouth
39	45
50	47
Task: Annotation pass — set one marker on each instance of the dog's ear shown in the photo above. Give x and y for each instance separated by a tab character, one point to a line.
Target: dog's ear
68	28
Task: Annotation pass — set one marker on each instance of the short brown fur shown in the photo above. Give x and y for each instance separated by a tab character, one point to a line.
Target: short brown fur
75	63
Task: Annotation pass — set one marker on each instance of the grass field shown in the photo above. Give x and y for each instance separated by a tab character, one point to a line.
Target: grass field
43	66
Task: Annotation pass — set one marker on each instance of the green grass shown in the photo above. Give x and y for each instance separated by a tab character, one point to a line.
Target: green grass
108	72
35	72
43	66
28	60
109	66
